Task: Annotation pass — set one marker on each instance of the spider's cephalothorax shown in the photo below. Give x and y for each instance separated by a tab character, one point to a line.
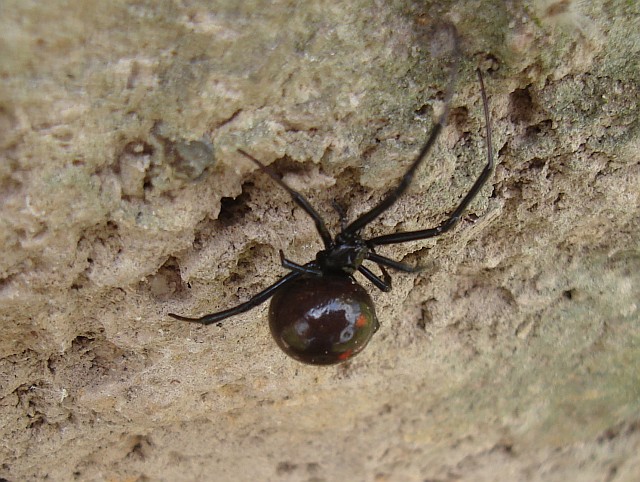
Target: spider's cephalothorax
319	314
342	257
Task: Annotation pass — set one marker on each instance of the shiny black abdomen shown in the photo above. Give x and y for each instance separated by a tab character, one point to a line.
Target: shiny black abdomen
322	320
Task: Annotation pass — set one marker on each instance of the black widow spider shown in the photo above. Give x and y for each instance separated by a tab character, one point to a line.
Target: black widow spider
319	314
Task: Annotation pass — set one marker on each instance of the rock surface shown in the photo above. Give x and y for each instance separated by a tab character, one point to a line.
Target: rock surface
514	355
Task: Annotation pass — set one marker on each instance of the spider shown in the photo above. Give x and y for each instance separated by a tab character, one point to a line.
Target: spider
319	313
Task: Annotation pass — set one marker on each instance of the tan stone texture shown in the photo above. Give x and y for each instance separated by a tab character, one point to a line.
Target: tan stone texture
514	355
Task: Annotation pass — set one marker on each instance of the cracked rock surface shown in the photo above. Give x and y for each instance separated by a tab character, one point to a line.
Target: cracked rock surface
513	355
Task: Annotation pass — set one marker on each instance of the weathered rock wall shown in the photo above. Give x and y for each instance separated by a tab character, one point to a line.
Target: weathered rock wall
514	355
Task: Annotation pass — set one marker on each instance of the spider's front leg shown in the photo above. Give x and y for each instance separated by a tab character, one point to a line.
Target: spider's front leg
455	216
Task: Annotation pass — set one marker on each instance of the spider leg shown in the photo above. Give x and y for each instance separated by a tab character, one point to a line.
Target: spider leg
381	284
309	268
298	198
256	300
454	217
393	196
390	263
341	213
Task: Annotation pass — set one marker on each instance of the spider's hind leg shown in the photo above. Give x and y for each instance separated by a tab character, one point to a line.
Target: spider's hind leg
383	284
256	300
309	268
